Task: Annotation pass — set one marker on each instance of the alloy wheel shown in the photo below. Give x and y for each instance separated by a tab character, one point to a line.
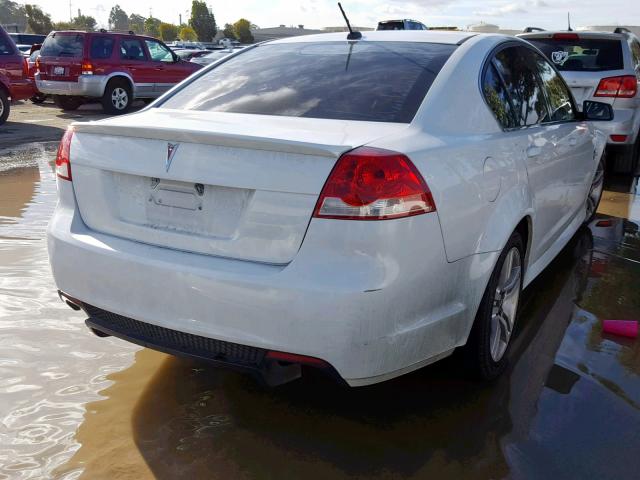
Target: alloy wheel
119	98
505	304
595	192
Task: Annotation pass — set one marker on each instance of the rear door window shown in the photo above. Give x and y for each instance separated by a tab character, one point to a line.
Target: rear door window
101	47
582	54
635	52
516	66
63	45
132	49
370	81
6	46
558	95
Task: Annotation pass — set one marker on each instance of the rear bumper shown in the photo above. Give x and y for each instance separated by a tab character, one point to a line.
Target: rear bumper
86	86
353	297
625	122
22	90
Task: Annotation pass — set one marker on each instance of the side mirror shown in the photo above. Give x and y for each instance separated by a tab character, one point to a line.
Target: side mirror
597	111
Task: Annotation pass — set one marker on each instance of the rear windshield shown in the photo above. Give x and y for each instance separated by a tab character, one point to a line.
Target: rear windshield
589	55
26	38
63	45
372	81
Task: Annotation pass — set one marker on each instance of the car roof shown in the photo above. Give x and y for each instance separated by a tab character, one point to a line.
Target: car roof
581	34
98	32
426	36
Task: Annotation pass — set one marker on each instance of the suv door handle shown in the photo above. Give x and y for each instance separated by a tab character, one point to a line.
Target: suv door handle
159	69
533	152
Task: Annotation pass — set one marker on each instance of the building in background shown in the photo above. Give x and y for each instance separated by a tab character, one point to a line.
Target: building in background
273	33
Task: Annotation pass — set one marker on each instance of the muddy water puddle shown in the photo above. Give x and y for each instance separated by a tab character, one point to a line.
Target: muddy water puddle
76	406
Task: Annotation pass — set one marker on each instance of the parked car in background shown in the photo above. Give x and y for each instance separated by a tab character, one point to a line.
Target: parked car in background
189	54
24	49
211	57
14	76
365	207
401	25
605	67
27	38
113	67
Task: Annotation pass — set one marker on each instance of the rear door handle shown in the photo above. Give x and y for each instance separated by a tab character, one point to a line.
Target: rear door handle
533	152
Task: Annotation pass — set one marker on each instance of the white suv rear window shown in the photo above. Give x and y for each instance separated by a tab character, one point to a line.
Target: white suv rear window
371	81
583	54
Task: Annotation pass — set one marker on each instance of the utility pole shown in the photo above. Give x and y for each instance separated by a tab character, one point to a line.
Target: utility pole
70	10
180	17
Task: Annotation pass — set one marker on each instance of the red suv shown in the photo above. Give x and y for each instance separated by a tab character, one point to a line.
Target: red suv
14	81
114	67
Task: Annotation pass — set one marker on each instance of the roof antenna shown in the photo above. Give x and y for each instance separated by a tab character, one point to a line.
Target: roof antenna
569	22
352	35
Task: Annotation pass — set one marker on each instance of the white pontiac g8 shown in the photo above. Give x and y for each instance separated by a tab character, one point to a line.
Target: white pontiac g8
363	206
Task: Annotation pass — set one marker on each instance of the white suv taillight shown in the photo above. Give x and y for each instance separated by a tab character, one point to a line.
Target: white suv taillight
625	86
63	166
374	184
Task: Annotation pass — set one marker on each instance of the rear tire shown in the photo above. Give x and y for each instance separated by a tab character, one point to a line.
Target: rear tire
595	191
117	98
486	349
5	106
67	103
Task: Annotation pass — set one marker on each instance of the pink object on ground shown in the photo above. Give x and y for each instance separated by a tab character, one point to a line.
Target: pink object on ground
624	328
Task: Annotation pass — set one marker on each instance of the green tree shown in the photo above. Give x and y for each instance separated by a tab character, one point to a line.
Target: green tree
243	30
152	27
11	13
118	19
84	22
64	26
228	31
136	23
202	21
37	20
188	34
168	32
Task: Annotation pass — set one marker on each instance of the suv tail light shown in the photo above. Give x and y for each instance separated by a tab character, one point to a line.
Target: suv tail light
86	68
374	184
25	67
625	86
38	64
63	166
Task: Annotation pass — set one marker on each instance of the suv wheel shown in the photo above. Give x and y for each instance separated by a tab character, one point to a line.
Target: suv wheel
117	97
491	333
67	102
4	106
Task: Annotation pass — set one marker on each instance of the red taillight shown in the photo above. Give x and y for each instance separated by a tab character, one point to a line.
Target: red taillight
565	36
63	166
625	86
38	64
25	67
295	358
618	138
86	68
374	184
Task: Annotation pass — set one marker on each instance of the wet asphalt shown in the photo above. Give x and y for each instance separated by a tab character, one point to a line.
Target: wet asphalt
76	406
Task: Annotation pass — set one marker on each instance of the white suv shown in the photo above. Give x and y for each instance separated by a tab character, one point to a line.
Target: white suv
603	67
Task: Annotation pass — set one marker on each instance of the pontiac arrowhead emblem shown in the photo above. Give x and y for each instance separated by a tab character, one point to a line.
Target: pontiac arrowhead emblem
172	148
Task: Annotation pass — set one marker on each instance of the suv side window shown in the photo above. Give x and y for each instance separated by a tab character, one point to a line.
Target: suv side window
635	53
6	48
158	52
557	93
131	49
101	47
522	83
497	98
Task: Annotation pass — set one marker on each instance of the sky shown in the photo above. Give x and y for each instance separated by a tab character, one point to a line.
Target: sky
517	14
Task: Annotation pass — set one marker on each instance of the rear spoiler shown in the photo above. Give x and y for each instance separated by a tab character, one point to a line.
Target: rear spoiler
533	29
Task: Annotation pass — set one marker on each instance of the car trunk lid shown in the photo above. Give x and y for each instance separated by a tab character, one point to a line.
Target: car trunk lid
233	185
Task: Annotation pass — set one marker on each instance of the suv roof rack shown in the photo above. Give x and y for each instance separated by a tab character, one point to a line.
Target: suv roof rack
104	30
622	30
533	29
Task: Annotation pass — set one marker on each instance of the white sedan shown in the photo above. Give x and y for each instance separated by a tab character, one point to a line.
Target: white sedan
365	207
